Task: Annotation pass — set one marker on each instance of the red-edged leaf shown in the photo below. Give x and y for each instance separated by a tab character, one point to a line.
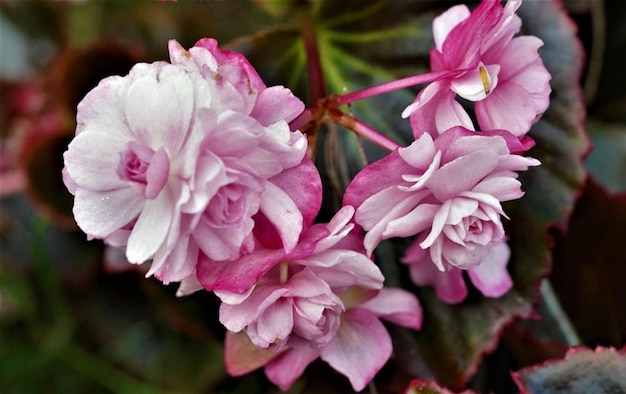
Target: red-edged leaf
582	371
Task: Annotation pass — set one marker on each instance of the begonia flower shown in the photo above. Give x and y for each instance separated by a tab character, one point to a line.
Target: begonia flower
503	75
324	299
173	161
447	190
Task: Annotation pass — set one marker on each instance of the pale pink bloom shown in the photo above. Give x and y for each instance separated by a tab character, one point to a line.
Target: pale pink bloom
173	161
502	75
324	299
447	190
360	348
490	277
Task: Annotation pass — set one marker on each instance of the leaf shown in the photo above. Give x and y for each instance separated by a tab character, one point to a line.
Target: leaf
589	271
607	160
582	371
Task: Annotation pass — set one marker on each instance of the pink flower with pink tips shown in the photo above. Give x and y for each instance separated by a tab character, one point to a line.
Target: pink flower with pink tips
502	75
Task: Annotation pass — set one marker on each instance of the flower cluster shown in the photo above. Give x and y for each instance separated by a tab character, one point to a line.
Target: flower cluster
446	187
193	166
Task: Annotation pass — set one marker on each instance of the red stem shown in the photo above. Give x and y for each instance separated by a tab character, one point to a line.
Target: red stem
362	129
390	86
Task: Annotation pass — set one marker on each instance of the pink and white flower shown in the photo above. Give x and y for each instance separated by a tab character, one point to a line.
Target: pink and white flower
324	299
504	76
173	161
446	191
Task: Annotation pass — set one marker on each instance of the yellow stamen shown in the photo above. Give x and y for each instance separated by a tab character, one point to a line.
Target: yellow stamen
284	271
484	78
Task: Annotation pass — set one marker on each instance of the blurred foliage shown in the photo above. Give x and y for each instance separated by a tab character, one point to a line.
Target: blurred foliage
72	322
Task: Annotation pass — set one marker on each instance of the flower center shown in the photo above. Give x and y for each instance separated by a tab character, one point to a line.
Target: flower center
147	169
228	206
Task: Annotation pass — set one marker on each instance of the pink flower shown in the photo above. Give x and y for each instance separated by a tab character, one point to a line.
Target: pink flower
324	299
504	76
173	161
448	191
300	308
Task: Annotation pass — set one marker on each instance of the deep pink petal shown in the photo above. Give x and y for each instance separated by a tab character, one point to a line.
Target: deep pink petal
377	176
239	275
461	48
360	349
444	23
